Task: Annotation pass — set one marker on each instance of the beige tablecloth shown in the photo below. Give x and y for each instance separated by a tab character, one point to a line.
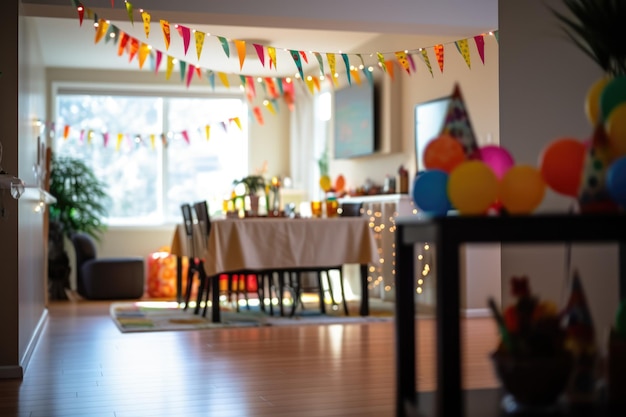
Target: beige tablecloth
277	243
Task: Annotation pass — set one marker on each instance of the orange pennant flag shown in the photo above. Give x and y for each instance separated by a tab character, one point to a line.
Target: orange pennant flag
271	52
463	48
207	132
439	54
145	16
356	76
258	115
165	26
66	132
224	79
199	41
237	122
403	60
241	51
103	27
144	51
316	81
389	67
169	67
134	47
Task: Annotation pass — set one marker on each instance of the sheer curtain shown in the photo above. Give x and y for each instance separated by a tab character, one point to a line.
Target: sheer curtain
309	136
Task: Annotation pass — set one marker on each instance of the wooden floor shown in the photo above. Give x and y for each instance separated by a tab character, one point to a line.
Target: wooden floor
83	366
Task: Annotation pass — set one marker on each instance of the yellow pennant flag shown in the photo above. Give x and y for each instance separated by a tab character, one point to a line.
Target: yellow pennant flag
332	63
165	26
144	51
224	79
207	131
103	27
153	141
402	59
199	41
129	10
271	52
170	67
381	61
310	85
120	138
439	55
241	51
145	16
89	136
427	61
237	122
463	47
268	104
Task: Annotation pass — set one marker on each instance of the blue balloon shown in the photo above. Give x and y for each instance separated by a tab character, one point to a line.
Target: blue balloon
616	181
430	192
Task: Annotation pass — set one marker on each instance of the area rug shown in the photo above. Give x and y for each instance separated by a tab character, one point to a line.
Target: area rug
144	316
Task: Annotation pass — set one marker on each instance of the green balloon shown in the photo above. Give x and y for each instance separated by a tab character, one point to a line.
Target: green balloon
612	96
620	319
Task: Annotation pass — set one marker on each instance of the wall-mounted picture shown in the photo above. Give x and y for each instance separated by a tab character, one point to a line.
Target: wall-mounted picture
355	121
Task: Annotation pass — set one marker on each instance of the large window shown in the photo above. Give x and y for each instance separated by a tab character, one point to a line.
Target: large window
155	152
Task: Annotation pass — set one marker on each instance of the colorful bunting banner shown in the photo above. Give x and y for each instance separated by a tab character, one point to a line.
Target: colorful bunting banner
225	45
241	52
199	36
463	47
145	16
165	27
184	33
480	45
439	55
260	51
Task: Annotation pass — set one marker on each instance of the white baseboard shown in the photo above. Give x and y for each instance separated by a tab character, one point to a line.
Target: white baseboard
476	312
28	353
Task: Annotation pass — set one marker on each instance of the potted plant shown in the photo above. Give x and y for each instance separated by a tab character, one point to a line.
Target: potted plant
80	207
252	184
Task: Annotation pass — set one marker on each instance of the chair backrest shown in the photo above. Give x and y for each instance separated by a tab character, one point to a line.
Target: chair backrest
85	248
202	214
351	209
187	219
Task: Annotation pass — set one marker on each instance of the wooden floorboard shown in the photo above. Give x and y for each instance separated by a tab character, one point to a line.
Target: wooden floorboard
83	366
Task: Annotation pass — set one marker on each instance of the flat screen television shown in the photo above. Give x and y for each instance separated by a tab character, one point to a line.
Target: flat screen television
429	118
355	115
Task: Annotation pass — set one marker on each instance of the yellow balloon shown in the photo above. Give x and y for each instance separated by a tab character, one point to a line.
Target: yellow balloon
615	128
325	183
592	101
522	189
472	187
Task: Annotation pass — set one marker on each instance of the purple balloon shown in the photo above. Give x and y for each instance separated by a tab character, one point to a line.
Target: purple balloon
497	158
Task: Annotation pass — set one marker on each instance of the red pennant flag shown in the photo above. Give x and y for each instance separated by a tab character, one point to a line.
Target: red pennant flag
306	60
258	115
186	136
105	137
185	33
81	13
159	58
190	74
250	85
260	51
133	48
112	4
480	45
122	44
165	27
439	54
271	86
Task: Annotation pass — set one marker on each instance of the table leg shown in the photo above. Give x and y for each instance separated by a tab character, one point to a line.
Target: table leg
406	398
215	299
622	271
179	279
365	300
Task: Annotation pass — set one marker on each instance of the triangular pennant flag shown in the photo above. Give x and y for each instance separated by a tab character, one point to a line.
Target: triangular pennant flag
81	136
103	27
207	132
355	75
66	131
105	138
457	123
186	137
404	62
389	67
320	61
145	16
330	57
224	126
279	84
159	58
296	58
89	136
118	144
190	74
316	81
258	115
237	122
369	75
427	61
164	140
91	15
185	33
270	106
303	55
183	69
133	48
112	34
480	45
309	83
439	55
81	13
122	44
169	67
210	75
409	57
346	62
225	45
144	50
271	52
497	35
251	88
224	79
165	27
289	99
463	48
381	61
199	41
577	319
243	80
152	140
271	87
361	59
241	52
260	51
129	10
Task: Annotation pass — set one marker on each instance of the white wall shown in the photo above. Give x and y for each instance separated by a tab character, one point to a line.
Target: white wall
543	84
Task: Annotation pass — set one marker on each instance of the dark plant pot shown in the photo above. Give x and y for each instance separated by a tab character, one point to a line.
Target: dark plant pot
533	382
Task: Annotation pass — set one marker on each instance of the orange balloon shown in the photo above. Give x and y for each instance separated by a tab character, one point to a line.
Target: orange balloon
443	152
561	165
522	189
340	183
472	187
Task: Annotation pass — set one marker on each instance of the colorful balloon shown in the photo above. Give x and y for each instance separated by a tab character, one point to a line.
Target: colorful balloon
497	158
616	181
522	189
444	153
561	165
325	183
340	183
430	192
615	128
472	187
613	94
592	101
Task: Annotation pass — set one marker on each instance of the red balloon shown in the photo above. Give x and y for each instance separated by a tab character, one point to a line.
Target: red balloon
443	152
561	165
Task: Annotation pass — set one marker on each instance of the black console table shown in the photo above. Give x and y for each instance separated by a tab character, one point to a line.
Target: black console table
447	234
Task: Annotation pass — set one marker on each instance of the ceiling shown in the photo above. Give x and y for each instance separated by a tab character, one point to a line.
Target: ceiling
321	26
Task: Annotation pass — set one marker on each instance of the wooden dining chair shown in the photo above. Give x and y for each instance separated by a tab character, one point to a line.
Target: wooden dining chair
196	265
